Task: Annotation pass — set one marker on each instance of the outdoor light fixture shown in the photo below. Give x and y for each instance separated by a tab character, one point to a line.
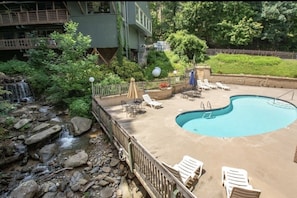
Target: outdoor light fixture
156	72
91	79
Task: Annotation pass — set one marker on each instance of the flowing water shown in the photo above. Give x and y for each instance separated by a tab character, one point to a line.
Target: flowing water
19	92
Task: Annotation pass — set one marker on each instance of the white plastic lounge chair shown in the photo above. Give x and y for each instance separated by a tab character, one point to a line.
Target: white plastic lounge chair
190	165
238	192
201	85
211	85
151	102
188	170
222	86
235	177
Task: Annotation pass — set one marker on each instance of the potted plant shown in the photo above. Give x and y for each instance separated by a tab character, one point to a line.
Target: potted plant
164	85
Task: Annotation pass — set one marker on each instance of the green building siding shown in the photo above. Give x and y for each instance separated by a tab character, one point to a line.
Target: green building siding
103	30
102	27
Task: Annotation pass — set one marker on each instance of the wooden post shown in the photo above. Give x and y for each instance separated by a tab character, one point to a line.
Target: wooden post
295	158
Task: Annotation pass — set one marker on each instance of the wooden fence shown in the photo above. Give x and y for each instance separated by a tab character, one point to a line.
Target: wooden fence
284	55
155	178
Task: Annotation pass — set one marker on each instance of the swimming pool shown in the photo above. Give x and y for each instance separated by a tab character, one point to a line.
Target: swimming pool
246	115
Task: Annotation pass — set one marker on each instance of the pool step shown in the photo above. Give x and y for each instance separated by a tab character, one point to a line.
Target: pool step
281	104
208	115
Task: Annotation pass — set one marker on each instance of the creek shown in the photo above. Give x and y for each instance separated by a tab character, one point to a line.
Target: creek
43	156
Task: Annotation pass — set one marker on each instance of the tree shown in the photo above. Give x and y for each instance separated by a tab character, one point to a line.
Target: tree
164	18
279	22
188	46
240	34
71	69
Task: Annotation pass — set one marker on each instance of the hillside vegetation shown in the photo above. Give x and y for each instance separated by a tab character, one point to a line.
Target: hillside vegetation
254	65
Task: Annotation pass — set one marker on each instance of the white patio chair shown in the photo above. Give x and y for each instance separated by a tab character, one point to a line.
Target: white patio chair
222	86
235	177
201	85
151	102
188	170
211	85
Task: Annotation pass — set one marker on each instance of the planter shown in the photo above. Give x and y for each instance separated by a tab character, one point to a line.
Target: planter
160	94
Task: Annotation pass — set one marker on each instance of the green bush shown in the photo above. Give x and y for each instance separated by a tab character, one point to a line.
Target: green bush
15	67
80	107
5	107
168	61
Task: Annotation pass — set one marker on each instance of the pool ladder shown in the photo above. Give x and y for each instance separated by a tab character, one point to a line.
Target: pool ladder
208	114
293	92
207	105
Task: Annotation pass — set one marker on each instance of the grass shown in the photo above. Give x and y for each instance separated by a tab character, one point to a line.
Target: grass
253	65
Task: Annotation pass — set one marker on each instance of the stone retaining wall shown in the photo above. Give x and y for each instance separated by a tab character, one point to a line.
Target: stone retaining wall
203	72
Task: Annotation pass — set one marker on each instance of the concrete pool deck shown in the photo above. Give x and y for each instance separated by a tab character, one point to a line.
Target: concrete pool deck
268	157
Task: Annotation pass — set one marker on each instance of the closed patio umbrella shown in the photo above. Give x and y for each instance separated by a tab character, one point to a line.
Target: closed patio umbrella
192	80
132	91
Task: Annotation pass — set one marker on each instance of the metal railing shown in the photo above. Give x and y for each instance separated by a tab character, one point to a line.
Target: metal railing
120	89
208	105
293	92
155	178
202	105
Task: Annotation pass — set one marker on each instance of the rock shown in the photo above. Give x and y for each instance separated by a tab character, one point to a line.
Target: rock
106	192
40	126
43	135
22	123
77	181
124	187
77	159
114	162
27	189
106	169
47	152
81	125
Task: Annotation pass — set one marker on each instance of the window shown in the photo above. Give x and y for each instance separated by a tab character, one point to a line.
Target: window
95	7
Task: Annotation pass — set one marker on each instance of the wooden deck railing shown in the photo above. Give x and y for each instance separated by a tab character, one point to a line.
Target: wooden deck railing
155	178
24	43
34	17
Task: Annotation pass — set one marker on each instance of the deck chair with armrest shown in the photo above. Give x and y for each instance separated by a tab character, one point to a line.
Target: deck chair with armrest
191	165
211	85
188	171
151	102
201	85
236	177
222	86
238	192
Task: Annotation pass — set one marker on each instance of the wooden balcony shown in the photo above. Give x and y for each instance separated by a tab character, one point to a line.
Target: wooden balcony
24	43
34	17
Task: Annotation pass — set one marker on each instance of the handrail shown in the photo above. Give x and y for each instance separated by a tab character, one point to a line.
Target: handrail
34	17
202	105
208	105
293	92
25	43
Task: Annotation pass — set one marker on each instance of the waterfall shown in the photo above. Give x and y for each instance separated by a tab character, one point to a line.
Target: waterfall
20	92
66	139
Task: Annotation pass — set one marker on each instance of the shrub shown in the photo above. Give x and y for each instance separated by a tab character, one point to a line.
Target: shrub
80	107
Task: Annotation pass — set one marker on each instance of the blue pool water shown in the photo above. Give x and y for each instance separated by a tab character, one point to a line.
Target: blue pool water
246	115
